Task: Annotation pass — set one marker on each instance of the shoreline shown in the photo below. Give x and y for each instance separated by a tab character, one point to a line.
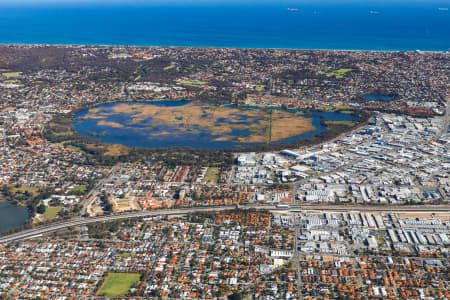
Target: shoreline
321	137
220	47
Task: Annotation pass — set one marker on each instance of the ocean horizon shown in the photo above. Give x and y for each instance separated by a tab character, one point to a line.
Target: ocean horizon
373	25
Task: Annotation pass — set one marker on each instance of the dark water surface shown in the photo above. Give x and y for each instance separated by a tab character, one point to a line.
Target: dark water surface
377	97
12	216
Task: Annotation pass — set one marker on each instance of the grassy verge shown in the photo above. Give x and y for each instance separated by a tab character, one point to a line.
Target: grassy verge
50	213
345	123
212	175
75	148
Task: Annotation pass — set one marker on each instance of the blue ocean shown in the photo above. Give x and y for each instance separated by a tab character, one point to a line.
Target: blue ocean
346	24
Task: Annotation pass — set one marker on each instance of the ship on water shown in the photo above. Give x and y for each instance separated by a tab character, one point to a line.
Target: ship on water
443	8
292	9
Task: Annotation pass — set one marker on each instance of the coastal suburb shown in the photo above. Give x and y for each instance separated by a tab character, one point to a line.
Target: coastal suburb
223	173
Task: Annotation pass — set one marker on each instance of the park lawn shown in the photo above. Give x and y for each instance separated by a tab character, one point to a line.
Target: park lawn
117	284
11	81
212	175
192	83
21	189
260	88
79	189
338	73
12	74
50	213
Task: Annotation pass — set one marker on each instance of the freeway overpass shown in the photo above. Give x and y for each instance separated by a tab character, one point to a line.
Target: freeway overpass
80	221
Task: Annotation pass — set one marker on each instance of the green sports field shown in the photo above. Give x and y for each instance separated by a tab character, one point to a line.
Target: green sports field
117	284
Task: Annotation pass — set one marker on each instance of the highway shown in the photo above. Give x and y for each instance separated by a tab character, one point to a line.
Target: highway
371	208
80	221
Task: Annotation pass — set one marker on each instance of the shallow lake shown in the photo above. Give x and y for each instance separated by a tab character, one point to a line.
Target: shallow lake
377	97
12	216
163	124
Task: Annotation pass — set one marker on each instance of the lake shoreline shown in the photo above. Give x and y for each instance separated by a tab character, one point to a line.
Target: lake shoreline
60	130
85	125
